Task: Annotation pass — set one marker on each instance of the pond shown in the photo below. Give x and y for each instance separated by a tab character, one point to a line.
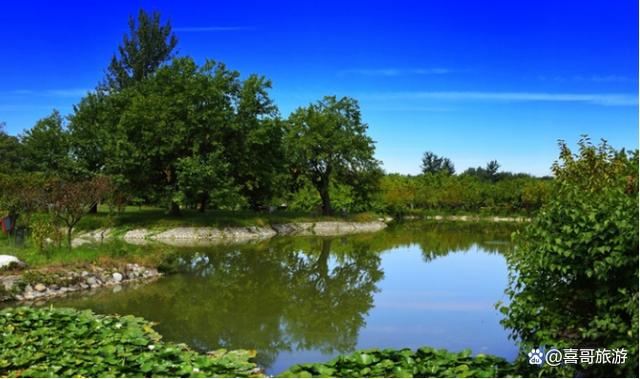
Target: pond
302	299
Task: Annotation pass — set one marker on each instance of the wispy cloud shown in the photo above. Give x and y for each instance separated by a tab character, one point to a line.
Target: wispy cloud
57	93
201	29
589	78
593	98
604	78
396	71
70	92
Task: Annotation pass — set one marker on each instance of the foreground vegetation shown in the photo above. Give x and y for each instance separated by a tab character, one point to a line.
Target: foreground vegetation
424	362
574	270
69	343
62	342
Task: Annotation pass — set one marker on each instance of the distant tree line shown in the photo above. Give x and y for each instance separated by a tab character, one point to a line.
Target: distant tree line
168	131
485	189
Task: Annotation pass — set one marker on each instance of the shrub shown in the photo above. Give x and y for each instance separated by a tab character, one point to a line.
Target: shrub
44	232
68	343
574	272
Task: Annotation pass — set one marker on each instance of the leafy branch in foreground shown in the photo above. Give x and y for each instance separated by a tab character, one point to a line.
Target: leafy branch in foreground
574	272
63	342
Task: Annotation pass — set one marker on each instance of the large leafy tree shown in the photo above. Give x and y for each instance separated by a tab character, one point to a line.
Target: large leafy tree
46	147
327	142
148	45
178	112
574	273
90	126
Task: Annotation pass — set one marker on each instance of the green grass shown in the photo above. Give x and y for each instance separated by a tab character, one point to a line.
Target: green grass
108	253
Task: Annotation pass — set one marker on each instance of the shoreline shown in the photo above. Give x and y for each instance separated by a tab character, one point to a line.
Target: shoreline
47	283
204	235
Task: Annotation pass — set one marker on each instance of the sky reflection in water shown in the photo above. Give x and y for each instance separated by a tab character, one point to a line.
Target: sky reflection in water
309	299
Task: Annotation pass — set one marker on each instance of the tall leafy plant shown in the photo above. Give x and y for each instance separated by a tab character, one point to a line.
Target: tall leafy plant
574	273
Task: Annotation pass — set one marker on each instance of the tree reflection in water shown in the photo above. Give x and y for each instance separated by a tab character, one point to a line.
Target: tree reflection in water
286	294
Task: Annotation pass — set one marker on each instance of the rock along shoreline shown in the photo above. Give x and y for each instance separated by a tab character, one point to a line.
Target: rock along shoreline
35	285
195	236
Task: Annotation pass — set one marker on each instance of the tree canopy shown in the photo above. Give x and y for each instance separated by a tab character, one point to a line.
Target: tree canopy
148	45
327	142
433	164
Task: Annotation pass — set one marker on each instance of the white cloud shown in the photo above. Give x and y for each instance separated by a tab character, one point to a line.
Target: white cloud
57	93
396	71
69	92
197	29
593	98
589	78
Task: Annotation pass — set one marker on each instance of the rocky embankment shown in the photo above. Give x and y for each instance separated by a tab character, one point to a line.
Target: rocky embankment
34	285
210	235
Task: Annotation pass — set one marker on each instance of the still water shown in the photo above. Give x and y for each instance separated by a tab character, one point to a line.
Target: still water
302	299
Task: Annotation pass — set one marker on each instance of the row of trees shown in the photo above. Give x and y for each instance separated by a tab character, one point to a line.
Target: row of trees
170	131
476	189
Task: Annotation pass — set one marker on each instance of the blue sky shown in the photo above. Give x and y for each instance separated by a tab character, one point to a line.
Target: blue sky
470	80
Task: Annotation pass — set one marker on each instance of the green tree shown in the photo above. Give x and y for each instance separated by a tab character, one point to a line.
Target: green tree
432	163
46	147
202	180
20	196
11	155
327	141
69	201
181	111
89	126
254	143
488	173
148	45
574	272
492	170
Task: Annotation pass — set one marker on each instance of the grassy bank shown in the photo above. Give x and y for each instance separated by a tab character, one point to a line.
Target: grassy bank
106	254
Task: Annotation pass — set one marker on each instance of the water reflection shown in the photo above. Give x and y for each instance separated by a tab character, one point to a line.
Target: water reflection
301	299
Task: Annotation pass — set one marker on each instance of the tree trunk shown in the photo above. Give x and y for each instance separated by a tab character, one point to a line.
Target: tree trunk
326	200
322	264
174	209
94	209
69	231
202	206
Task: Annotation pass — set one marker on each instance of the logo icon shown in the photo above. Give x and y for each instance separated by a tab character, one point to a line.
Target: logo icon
535	357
